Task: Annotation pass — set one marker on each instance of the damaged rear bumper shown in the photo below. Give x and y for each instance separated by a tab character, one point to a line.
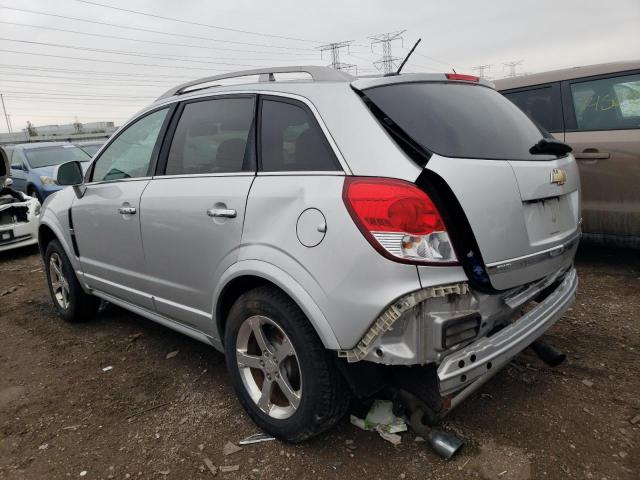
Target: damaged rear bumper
463	369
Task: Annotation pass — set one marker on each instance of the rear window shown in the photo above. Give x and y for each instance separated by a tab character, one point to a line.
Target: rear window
47	156
458	120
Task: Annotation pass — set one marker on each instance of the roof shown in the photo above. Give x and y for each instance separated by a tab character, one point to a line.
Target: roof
566	74
29	146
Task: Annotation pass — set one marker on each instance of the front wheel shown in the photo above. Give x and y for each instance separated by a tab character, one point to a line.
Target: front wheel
284	377
71	301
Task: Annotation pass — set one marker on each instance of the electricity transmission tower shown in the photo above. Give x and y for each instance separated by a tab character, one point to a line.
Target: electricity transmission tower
482	69
334	49
388	62
513	64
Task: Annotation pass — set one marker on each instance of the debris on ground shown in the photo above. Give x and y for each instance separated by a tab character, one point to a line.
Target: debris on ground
229	468
256	438
172	354
588	383
8	291
106	369
230	448
635	420
209	464
382	420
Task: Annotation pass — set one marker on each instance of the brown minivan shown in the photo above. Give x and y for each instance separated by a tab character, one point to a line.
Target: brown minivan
596	110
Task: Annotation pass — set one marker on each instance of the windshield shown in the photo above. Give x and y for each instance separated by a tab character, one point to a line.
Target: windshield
90	149
47	156
458	120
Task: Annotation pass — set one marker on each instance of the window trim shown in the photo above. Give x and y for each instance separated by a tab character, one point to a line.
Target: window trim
570	120
556	98
171	107
163	156
328	144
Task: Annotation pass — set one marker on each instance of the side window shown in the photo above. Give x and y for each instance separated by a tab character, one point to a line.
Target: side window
16	160
291	140
128	156
607	103
212	137
541	104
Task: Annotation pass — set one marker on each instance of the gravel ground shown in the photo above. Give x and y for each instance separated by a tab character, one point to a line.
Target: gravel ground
153	417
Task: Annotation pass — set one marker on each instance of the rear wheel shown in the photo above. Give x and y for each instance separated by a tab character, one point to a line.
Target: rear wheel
284	377
71	301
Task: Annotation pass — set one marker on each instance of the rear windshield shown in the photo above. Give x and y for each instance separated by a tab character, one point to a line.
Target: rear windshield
458	120
47	156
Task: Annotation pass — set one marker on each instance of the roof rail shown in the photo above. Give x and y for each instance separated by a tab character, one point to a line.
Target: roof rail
318	74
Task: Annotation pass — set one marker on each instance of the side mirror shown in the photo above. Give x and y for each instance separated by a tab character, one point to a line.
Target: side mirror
8	182
70	173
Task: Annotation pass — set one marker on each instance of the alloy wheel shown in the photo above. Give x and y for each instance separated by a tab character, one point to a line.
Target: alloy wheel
269	367
59	283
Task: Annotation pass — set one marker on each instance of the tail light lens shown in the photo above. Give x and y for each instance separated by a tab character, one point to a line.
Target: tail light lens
399	220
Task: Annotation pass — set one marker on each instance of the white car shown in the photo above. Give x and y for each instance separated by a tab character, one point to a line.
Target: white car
18	212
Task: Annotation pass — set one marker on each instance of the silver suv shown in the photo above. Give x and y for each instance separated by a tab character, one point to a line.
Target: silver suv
333	236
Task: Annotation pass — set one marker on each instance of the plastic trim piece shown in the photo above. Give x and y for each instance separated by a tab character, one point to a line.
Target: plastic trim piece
385	321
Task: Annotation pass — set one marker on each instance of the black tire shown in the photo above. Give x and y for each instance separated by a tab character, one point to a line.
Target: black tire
32	192
325	395
81	306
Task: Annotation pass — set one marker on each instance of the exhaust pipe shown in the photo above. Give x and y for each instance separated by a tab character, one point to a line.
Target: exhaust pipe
548	353
444	444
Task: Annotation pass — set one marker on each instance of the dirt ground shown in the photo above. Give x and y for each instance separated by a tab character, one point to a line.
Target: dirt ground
152	417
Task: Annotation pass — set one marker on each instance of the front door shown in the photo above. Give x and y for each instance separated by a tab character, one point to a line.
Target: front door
604	131
193	209
106	219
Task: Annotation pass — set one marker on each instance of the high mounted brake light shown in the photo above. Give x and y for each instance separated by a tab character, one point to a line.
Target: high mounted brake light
462	77
399	220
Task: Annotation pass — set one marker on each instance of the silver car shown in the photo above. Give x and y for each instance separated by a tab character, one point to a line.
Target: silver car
332	235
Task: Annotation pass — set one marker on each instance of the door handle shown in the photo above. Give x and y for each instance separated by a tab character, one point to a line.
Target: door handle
127	210
222	212
591	155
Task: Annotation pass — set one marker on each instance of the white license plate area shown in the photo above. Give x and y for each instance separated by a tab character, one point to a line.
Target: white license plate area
548	217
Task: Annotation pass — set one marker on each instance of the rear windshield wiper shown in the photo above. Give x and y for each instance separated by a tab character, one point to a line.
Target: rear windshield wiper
550	146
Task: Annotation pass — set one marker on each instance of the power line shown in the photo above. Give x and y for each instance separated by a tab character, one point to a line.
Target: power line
388	61
122	82
334	48
173	44
126	27
120	52
513	64
188	22
117	74
48	55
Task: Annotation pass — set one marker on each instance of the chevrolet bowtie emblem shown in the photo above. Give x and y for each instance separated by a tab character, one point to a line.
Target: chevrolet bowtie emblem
558	176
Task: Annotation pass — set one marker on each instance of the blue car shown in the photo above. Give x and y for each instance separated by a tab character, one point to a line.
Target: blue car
34	165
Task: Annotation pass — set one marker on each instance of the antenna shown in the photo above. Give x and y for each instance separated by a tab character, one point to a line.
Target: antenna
387	62
334	48
408	55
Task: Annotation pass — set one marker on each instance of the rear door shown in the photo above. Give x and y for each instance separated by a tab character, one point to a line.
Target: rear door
106	219
193	208
603	127
523	208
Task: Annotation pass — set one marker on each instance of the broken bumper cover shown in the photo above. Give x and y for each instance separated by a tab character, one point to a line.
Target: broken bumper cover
466	369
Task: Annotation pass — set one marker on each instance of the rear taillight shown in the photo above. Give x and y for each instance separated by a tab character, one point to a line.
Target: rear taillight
462	77
399	220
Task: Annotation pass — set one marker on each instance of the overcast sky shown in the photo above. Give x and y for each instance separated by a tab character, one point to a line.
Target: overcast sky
41	84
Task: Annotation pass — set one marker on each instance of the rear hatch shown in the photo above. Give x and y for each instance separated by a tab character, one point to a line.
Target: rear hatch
523	209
